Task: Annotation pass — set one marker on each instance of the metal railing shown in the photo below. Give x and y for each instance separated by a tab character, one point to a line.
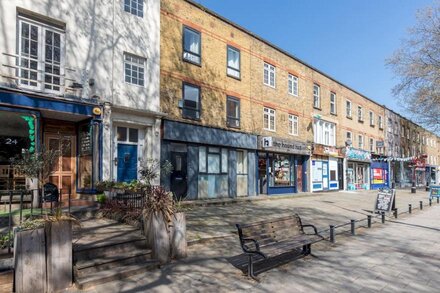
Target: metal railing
21	75
22	205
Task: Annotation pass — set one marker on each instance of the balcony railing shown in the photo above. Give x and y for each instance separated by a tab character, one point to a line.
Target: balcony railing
34	75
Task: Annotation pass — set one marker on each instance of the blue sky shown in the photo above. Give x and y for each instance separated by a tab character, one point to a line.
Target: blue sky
347	39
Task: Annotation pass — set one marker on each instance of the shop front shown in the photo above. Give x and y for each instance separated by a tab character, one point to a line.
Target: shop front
379	175
357	169
208	162
34	123
325	168
282	165
431	178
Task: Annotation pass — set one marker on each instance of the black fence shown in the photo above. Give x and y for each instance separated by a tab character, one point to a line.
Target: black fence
17	206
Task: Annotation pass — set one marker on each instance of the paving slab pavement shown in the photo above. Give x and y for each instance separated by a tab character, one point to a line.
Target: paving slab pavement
320	209
402	255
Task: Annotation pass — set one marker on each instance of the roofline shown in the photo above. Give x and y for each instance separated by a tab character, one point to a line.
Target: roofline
203	8
239	27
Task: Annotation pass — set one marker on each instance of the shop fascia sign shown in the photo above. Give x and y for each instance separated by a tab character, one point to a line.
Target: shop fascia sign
282	145
357	154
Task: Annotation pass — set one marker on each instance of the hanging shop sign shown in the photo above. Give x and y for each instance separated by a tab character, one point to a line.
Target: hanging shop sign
385	201
380	144
323	150
275	144
357	154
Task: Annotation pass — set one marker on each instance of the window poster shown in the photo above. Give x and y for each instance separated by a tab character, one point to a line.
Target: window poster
378	176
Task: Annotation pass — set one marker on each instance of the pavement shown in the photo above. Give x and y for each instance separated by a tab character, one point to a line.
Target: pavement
319	209
402	255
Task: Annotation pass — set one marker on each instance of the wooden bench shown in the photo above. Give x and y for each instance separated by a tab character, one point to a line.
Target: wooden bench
266	240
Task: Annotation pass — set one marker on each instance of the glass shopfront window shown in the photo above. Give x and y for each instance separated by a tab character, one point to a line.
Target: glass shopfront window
280	170
85	157
17	134
213	172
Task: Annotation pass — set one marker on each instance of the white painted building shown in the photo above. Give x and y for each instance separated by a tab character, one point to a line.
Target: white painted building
87	74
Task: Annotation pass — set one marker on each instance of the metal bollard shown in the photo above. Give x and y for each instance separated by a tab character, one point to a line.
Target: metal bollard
332	234
438	199
353	227
396	213
430	202
421	205
410	208
383	217
369	221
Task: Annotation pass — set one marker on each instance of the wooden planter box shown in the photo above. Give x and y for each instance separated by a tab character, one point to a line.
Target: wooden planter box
43	258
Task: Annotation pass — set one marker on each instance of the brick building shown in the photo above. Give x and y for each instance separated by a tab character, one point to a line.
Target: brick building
246	117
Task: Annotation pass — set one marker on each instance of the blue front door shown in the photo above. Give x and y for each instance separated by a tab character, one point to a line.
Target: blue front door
127	162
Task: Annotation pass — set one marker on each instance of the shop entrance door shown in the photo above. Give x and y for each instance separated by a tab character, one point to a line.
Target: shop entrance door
179	177
63	172
127	162
360	176
325	175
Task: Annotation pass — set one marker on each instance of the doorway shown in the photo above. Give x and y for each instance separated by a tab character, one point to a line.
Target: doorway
179	176
325	175
127	162
63	172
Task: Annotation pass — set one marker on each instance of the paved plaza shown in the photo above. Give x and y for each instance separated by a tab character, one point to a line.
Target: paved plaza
402	255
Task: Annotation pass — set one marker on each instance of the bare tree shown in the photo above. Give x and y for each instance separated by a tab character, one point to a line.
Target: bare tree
417	64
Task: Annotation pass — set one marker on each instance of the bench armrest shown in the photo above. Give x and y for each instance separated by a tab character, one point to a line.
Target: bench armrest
312	226
246	247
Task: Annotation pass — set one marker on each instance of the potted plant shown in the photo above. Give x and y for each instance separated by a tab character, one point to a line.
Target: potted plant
38	245
178	232
157	216
37	165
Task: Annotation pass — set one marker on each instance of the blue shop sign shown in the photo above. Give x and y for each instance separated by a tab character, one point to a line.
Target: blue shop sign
357	154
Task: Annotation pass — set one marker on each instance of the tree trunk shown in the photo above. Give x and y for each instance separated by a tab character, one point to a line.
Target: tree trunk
161	238
178	242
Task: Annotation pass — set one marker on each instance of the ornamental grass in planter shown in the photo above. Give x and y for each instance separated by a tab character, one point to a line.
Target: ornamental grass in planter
157	216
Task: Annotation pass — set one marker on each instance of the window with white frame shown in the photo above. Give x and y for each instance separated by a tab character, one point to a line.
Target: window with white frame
324	132
40	56
396	127
360	141
348	136
360	114
242	167
269	75
127	135
403	131
134	68
269	119
333	103
380	122
371	145
192	47
348	111
233	64
390	125
316	96
293	85
135	7
371	118
293	124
